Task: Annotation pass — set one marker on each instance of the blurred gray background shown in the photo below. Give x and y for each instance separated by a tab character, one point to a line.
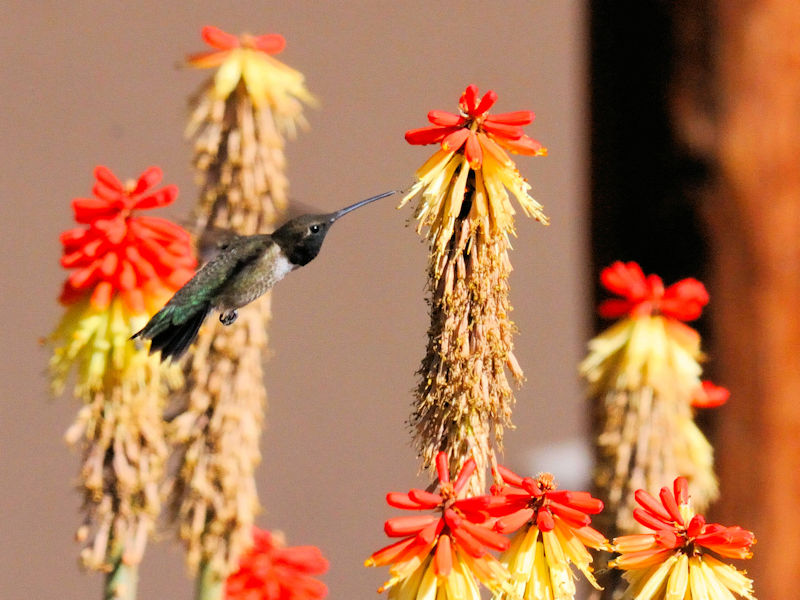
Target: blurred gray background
99	83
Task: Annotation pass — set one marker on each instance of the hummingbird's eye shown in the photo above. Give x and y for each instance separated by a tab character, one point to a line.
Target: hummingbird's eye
314	228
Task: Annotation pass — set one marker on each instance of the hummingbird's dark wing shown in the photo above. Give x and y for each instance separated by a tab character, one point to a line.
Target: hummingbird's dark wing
173	329
212	241
236	253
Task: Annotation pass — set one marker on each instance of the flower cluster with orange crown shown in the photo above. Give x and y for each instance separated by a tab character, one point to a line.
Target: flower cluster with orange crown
675	561
270	570
473	151
443	555
124	266
644	373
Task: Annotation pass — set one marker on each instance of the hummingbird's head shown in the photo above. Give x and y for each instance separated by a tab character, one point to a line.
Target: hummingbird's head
301	238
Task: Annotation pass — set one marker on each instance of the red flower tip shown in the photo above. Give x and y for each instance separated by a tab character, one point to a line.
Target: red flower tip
467	469
642	296
709	395
681	490
545	521
443	559
653	506
509	477
216	38
468	131
271	571
403	526
443	467
455	525
271	43
468	101
527	500
120	252
424	498
668	538
696	526
671	531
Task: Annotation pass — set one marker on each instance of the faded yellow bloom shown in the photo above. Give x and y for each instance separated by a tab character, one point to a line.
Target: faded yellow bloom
442	184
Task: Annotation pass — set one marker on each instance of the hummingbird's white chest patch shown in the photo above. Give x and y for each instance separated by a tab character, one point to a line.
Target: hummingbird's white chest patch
282	265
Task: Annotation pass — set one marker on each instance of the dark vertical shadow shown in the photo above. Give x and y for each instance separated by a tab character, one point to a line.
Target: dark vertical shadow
639	175
643	201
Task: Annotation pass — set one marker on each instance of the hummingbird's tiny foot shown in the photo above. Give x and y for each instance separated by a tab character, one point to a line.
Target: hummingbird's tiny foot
228	317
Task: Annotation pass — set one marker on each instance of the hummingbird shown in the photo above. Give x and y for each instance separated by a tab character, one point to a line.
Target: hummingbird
246	267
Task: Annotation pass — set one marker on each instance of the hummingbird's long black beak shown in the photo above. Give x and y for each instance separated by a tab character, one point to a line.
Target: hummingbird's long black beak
352	207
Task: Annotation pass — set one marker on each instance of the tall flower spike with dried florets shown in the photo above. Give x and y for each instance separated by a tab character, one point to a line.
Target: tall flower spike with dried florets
552	533
238	123
123	267
464	398
675	561
272	571
442	555
644	374
239	120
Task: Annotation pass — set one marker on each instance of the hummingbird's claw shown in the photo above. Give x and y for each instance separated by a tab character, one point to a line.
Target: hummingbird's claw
228	317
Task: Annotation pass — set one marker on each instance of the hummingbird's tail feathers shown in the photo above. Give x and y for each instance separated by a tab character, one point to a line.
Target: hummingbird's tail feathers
170	337
175	341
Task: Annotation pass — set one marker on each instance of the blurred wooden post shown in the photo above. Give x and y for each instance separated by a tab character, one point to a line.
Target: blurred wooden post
727	147
753	215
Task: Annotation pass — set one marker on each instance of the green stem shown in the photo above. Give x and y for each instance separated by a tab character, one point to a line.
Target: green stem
122	581
210	586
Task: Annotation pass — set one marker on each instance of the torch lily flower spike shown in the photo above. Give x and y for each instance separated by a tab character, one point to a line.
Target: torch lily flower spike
443	554
472	168
676	560
272	571
552	533
644	372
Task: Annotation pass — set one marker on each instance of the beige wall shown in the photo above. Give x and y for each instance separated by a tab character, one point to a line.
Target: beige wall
96	82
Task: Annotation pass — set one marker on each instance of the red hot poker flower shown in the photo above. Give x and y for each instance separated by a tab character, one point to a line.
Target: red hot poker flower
680	545
643	296
442	543
122	253
223	43
271	571
523	500
268	83
552	533
677	527
477	131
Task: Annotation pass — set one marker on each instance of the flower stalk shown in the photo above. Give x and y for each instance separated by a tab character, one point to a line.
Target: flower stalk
123	579
644	376
239	122
122	266
209	584
463	400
